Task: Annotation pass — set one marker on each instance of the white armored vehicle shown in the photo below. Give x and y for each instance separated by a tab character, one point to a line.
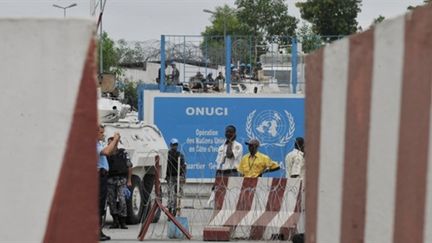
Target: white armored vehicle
111	110
143	142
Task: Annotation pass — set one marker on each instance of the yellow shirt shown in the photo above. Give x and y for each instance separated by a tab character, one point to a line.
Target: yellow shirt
254	166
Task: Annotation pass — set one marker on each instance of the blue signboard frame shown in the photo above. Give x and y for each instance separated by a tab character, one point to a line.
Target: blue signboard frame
199	124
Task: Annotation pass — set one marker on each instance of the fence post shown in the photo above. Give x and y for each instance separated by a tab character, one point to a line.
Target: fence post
294	65
162	65
206	55
250	56
140	93
184	59
228	63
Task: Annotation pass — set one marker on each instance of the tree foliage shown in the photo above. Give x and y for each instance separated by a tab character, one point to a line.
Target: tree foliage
309	40
266	18
225	17
131	95
213	45
253	23
126	53
331	17
137	51
378	20
110	56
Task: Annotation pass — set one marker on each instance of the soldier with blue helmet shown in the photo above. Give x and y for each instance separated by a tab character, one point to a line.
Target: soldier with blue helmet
176	166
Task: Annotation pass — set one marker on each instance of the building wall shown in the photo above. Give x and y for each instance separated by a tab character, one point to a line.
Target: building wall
149	75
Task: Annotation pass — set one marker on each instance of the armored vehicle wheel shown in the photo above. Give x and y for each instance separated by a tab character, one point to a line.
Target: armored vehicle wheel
140	202
135	203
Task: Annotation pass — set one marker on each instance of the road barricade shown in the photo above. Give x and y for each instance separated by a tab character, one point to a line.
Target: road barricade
255	208
49	131
368	133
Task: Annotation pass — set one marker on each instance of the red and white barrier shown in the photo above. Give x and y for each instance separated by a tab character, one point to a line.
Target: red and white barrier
368	124
255	208
48	131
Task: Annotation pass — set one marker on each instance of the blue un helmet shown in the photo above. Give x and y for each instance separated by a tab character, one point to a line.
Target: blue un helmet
174	141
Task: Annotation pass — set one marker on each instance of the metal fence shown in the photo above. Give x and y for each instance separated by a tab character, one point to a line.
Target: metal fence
276	62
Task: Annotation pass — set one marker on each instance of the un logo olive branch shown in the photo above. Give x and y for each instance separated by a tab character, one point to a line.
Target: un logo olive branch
249	120
291	130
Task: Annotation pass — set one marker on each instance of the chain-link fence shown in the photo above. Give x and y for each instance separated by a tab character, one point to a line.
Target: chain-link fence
240	64
205	63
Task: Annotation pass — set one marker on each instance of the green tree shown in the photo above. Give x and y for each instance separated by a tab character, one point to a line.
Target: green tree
266	18
135	52
125	53
213	46
131	95
378	20
226	18
110	56
309	40
253	24
331	17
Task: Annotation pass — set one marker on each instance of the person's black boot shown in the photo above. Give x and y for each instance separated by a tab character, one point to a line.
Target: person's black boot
116	223
170	211
122	222
103	237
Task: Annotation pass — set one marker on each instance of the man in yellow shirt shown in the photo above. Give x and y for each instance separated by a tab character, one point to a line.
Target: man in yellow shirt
254	164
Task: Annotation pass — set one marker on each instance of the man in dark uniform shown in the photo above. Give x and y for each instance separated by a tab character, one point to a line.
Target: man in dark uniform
119	178
172	173
175	75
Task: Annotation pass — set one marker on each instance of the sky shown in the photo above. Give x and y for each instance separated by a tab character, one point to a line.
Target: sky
140	20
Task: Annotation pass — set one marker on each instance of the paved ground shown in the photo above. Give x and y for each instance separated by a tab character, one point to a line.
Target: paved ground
194	208
157	232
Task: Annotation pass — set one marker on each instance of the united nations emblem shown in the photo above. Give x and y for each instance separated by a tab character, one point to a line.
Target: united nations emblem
270	127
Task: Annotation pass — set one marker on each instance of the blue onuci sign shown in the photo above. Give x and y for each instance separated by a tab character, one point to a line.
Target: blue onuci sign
199	123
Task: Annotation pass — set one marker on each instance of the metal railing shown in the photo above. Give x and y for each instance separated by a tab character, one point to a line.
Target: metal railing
239	59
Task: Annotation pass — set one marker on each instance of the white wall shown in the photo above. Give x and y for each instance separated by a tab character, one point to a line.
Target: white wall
186	71
41	71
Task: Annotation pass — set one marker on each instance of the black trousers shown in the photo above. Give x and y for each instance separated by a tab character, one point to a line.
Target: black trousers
103	190
231	172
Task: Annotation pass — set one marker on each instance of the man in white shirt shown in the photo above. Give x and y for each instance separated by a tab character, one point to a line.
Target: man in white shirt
294	160
228	157
229	154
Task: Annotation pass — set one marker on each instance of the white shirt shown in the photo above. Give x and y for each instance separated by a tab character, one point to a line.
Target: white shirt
224	163
295	163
